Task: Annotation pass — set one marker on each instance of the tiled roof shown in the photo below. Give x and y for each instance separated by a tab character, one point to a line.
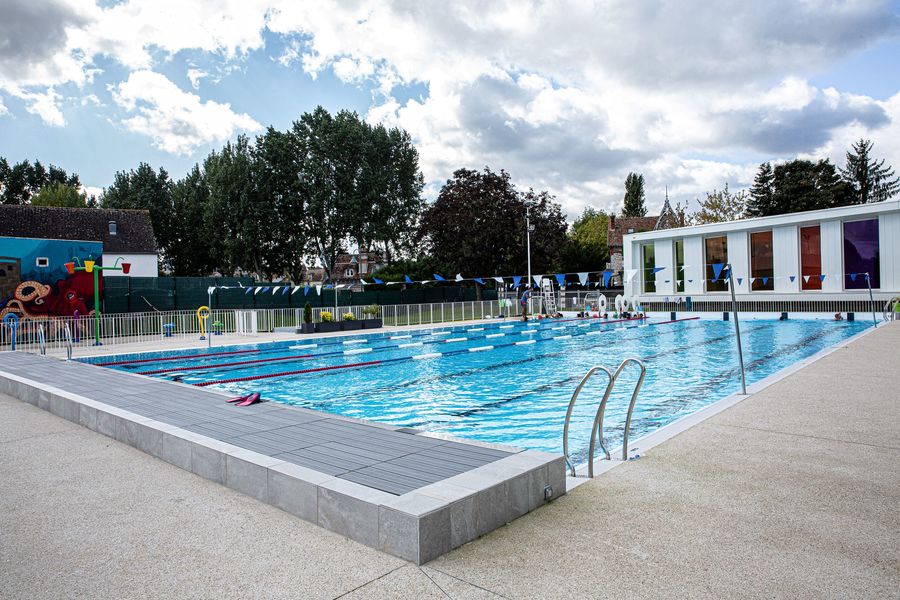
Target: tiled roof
620	226
134	231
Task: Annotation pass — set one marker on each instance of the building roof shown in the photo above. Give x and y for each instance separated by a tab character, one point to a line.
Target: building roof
134	231
619	226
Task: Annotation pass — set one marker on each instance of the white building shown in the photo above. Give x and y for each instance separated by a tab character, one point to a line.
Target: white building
817	256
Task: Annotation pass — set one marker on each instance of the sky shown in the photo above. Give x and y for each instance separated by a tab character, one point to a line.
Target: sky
567	96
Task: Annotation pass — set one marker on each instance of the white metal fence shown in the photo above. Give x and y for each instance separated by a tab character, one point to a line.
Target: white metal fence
138	327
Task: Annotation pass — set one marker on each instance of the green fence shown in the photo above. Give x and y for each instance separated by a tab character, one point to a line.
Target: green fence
143	294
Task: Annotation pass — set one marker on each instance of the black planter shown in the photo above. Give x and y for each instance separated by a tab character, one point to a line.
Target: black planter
351	325
372	323
329	327
308	328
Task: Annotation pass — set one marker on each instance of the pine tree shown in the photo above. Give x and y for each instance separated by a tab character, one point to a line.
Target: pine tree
634	196
762	193
870	179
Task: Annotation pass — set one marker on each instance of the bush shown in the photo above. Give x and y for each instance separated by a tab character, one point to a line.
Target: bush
370	310
349	316
326	316
307	313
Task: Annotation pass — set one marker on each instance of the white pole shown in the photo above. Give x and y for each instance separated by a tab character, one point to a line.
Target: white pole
528	239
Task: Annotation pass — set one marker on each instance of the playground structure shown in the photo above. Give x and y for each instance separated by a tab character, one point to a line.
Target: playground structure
90	266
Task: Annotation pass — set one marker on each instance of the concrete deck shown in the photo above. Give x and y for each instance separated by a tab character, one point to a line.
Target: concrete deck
794	492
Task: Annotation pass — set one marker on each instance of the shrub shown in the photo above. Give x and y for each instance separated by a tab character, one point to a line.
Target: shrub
307	313
326	316
349	316
370	310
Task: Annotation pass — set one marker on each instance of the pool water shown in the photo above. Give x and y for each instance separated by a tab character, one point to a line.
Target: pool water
505	382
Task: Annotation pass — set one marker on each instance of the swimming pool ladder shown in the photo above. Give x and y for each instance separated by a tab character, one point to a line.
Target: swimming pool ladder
68	331
598	419
891	312
42	340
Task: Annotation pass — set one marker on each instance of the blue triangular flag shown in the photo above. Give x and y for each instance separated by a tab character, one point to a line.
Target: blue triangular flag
792	278
765	280
479	280
607	275
329	286
248	291
266	289
517	279
717	270
561	279
740	280
438	277
657	269
853	276
407	279
306	289
822	277
285	291
377	280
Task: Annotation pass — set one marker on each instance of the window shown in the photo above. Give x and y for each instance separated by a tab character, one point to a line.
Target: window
113	229
349	273
716	253
810	258
362	268
861	254
42	262
762	269
679	266
648	253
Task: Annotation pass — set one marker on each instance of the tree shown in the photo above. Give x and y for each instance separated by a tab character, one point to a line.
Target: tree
634	196
870	179
21	181
587	249
145	189
795	186
60	194
720	206
194	245
477	226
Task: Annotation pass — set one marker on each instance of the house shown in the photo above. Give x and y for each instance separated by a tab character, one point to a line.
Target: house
816	257
622	226
353	268
36	242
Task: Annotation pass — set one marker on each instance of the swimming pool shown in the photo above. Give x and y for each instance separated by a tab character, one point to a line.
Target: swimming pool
504	382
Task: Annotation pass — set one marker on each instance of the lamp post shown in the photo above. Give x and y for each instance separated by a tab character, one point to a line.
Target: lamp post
90	266
528	229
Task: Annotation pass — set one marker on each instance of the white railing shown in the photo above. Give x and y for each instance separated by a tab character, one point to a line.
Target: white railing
125	328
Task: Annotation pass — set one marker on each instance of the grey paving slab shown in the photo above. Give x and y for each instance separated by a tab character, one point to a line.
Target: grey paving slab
385	458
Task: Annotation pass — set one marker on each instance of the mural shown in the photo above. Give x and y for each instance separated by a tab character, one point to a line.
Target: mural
34	282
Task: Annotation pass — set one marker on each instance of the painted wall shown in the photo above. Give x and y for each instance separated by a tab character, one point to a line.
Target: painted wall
34	282
142	265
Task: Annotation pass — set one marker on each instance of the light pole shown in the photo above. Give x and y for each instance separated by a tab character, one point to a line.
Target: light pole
528	229
90	266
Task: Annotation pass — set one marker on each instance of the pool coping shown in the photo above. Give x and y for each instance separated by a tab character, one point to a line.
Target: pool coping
667	432
418	526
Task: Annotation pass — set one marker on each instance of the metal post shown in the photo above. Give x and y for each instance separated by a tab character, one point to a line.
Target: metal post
871	299
528	239
737	328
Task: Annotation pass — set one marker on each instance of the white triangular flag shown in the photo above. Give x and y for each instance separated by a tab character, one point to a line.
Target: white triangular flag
806	279
459	277
294	291
499	280
537	279
275	289
582	278
256	290
319	289
629	274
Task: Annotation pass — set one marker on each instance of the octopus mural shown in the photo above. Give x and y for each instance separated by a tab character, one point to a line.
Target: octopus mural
64	298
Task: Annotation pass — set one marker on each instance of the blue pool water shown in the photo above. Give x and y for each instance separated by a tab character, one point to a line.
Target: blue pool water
513	393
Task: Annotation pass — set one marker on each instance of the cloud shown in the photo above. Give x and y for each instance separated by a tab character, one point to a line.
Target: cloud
177	122
3	109
195	75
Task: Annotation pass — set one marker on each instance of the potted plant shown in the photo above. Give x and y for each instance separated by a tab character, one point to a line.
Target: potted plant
349	322
328	324
371	321
308	326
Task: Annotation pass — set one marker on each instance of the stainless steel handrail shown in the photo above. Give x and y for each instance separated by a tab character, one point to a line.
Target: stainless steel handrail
42	341
68	332
578	389
597	429
889	313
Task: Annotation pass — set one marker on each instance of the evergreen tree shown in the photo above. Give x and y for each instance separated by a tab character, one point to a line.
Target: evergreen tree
762	192
634	196
870	179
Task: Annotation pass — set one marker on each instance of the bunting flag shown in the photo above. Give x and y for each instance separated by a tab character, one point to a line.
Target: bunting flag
792	278
752	280
561	279
690	281
537	280
629	274
765	281
806	279
294	291
678	281
717	270
377	280
499	280
517	279
266	289
248	291
275	289
319	289
852	276
583	278
478	280
437	278
657	269
285	290
329	286
306	289
740	280
822	277
256	290
406	279
459	277
607	275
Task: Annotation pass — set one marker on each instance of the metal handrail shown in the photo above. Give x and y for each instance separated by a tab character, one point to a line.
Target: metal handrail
42	341
578	389
889	313
68	332
597	429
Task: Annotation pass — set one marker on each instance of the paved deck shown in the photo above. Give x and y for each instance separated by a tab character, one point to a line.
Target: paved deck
390	459
793	493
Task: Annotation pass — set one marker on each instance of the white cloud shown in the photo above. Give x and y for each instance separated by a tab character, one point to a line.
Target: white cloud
3	109
195	75
176	121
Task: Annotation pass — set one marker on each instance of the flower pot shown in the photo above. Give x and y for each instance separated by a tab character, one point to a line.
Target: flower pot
328	327
351	325
308	328
372	323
